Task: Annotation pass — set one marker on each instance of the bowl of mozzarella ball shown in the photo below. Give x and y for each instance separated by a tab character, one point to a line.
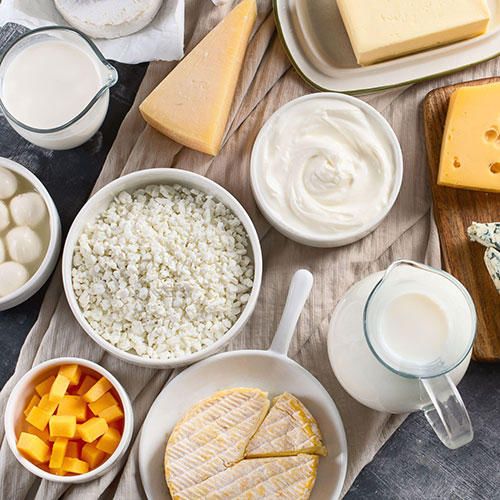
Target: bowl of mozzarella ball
162	267
30	234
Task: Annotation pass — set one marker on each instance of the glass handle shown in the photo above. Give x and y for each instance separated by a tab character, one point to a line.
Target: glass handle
447	413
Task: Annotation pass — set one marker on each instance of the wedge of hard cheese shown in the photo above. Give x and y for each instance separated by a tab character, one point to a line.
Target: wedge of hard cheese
212	436
380	30
286	478
192	104
470	152
288	429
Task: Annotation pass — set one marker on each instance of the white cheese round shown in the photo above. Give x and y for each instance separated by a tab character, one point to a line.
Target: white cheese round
27	209
108	18
24	245
8	184
12	276
4	216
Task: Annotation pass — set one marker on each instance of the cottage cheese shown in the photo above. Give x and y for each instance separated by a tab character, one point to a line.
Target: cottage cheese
163	272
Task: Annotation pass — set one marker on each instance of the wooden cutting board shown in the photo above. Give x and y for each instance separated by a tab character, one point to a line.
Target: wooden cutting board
455	210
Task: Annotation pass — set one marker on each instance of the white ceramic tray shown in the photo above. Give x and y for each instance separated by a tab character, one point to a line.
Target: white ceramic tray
314	37
270	370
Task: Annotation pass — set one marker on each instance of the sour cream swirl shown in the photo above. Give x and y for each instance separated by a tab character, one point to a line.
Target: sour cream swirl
324	167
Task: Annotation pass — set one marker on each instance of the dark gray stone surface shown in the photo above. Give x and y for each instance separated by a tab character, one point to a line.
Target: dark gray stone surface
413	465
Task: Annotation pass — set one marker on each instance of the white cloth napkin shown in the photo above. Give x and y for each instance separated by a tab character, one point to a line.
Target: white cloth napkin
161	40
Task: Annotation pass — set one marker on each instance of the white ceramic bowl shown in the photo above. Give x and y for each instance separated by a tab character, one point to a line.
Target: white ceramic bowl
333	240
20	397
101	200
50	260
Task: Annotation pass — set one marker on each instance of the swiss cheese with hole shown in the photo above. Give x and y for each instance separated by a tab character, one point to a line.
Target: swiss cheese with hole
191	105
470	152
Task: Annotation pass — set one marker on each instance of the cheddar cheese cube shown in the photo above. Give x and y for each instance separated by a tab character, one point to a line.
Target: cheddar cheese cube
87	383
93	428
59	388
33	447
92	455
102	386
44	387
73	449
75	465
38	417
71	372
109	441
105	401
58	453
43	435
47	404
111	414
33	402
62	426
73	405
57	472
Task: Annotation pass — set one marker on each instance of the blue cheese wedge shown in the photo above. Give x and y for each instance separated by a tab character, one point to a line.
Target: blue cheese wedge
286	478
492	261
487	234
288	429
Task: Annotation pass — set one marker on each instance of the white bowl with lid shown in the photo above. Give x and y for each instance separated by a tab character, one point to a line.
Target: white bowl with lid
52	254
379	128
131	182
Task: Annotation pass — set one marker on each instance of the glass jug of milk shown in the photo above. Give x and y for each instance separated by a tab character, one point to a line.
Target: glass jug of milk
401	340
54	87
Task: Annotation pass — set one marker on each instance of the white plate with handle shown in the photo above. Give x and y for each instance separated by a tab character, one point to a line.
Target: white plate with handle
272	371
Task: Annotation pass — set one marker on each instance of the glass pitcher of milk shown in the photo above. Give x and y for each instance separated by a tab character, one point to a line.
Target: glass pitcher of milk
54	87
401	340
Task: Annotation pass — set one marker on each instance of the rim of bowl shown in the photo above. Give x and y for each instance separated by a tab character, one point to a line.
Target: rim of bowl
127	427
49	261
346	237
198	182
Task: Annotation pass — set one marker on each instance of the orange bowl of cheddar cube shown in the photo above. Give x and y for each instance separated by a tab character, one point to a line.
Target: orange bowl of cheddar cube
68	420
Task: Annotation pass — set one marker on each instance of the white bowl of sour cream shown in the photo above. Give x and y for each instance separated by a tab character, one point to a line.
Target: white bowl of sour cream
326	168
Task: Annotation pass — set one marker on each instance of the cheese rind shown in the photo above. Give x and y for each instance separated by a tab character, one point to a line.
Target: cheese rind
287	478
212	436
288	429
470	151
192	104
384	30
108	18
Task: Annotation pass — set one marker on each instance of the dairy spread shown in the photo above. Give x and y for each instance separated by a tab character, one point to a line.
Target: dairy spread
323	167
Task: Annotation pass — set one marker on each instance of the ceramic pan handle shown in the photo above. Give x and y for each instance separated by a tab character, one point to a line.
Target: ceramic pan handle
300	287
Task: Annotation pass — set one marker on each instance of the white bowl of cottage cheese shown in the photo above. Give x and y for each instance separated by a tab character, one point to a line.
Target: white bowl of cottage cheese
326	168
162	267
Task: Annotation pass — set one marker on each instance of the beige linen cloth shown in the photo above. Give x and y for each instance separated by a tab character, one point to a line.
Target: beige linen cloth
267	82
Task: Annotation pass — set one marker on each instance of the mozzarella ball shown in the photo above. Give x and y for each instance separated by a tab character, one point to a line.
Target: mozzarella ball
12	276
8	184
4	216
27	209
24	245
2	251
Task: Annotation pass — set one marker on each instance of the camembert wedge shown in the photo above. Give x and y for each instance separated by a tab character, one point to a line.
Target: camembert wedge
212	436
286	478
192	104
288	429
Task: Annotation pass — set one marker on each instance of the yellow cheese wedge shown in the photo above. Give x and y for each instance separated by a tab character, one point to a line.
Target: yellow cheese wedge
380	30
191	105
288	429
470	152
260	479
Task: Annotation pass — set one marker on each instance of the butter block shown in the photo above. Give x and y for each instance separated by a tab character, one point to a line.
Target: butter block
470	151
381	30
192	104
